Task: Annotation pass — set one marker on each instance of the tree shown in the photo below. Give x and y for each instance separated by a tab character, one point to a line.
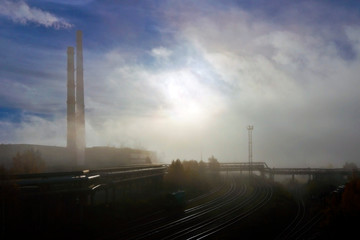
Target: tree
350	201
190	176
176	174
191	166
350	165
147	160
214	165
29	161
202	167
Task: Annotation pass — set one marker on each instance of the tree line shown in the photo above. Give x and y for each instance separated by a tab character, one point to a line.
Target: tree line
28	161
192	175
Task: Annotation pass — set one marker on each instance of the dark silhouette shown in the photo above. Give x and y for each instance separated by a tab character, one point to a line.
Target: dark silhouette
350	165
342	211
176	175
147	160
214	165
192	176
29	161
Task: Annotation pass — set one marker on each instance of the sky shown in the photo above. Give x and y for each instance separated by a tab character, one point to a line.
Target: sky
185	78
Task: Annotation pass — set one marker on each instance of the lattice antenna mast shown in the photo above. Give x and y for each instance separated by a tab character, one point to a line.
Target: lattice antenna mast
250	129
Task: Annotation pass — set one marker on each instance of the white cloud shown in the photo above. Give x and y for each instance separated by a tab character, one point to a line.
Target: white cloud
72	2
161	52
21	12
169	109
291	82
34	130
353	33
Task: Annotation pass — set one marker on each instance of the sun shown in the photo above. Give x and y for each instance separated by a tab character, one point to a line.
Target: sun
185	96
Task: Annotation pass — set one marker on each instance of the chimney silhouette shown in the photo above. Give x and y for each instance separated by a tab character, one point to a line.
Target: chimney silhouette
80	106
71	126
75	104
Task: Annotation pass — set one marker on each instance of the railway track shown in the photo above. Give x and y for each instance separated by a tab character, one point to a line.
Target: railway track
216	196
258	199
301	223
203	223
291	228
237	201
158	216
194	215
205	195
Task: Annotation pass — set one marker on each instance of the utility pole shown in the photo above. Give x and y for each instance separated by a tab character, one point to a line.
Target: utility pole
250	129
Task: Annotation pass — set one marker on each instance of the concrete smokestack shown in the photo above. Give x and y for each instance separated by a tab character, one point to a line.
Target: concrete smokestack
80	106
71	127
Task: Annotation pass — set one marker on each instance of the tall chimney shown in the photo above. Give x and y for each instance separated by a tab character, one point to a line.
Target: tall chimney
71	127
80	116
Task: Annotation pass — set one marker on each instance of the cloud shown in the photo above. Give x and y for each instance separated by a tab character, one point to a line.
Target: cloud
34	130
167	108
293	81
21	12
161	52
72	2
222	69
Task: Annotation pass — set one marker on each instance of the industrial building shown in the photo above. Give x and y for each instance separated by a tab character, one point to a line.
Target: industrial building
75	155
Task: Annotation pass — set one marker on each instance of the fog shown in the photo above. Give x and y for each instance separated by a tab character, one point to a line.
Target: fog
190	83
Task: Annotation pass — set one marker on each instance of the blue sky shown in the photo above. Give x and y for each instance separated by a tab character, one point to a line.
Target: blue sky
186	77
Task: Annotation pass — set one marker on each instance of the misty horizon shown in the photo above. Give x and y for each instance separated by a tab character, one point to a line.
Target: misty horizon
185	79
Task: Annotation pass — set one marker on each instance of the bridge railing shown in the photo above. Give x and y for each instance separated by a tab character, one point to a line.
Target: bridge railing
244	165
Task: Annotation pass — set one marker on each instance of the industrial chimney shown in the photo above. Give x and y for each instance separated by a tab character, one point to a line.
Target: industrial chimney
71	127
80	106
75	104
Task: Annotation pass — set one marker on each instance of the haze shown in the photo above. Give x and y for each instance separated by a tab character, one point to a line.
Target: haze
185	78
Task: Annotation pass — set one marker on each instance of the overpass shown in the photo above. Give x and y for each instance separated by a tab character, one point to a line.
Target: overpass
264	170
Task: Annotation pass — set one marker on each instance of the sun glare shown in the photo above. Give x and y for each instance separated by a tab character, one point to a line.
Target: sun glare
186	98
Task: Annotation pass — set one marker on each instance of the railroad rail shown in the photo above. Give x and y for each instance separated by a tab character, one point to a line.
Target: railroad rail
229	204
